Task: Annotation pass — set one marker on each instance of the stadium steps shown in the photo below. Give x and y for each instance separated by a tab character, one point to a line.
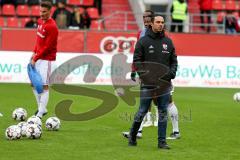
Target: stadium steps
118	15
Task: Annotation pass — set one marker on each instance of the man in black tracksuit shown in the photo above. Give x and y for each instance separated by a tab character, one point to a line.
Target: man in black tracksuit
156	63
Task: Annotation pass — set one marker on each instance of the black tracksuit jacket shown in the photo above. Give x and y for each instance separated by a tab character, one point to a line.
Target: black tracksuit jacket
159	49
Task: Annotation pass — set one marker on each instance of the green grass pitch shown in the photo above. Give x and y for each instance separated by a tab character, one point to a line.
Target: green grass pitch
209	124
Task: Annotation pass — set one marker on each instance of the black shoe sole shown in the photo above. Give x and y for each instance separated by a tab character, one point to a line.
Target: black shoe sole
132	144
43	113
125	135
167	148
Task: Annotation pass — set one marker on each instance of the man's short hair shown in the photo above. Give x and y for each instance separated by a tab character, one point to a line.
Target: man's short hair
149	11
46	3
155	15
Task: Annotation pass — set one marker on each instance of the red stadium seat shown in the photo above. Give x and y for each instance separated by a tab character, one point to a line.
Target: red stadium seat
74	2
95	25
218	5
23	10
87	3
230	5
2	22
12	22
220	16
35	10
24	21
236	14
93	13
81	10
237	6
69	8
8	10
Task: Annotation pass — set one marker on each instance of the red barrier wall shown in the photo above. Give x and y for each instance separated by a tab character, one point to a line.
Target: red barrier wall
94	40
74	41
207	44
24	40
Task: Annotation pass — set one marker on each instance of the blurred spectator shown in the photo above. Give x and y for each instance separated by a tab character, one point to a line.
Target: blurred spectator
76	19
86	21
32	23
179	14
205	8
33	2
98	5
231	23
80	20
61	15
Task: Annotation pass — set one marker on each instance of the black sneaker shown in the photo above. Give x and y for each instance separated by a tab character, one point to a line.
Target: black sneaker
174	135
132	141
127	135
163	145
43	113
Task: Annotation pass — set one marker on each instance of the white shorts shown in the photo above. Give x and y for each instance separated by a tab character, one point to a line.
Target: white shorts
43	67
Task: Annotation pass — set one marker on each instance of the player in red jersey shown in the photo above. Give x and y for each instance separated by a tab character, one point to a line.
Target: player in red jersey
44	53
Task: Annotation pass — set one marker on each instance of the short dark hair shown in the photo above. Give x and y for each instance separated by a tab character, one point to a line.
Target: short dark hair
46	3
149	11
155	15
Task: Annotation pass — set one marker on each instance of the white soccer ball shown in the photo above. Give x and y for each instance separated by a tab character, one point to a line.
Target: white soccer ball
236	97
13	132
23	127
19	114
53	124
34	120
33	131
119	92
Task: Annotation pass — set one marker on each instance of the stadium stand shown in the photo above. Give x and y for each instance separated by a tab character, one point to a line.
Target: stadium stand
2	22
12	22
74	2
93	13
96	25
218	5
231	5
85	3
34	10
118	15
22	10
219	10
8	10
23	21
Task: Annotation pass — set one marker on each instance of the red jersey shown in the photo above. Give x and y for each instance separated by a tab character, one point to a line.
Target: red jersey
46	45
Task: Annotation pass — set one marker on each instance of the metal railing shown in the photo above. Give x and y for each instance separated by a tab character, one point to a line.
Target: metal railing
218	27
120	21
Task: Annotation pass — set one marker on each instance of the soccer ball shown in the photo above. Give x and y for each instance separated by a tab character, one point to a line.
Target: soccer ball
19	114
34	120
33	131
236	97
23	127
13	132
119	92
53	124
